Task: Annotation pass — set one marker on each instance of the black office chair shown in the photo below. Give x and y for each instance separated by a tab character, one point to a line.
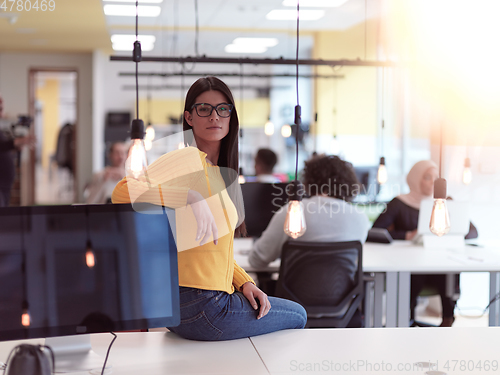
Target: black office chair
326	278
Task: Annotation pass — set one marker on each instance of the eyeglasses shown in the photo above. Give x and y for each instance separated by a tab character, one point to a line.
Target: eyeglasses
205	109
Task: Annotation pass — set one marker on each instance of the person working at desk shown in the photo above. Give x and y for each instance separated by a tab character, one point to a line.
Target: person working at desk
265	160
401	220
101	187
218	299
330	183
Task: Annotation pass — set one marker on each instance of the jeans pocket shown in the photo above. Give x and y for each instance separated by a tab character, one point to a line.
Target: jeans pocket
195	296
198	328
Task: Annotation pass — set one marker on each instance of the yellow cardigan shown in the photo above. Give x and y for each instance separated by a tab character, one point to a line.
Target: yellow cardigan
169	178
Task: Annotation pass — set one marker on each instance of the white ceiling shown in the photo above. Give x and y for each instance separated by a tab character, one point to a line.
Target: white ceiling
221	21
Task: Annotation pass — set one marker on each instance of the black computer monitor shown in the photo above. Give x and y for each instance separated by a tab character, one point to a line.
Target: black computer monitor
261	201
85	269
369	186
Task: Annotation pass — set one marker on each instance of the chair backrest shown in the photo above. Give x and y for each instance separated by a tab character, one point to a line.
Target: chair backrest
261	201
324	277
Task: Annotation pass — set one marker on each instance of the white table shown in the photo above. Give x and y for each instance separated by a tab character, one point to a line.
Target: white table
379	351
392	265
163	353
369	351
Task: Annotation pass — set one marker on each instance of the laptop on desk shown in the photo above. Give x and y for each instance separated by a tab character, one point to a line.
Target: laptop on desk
459	225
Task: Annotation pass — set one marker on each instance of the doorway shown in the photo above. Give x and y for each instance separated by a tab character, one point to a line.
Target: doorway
53	106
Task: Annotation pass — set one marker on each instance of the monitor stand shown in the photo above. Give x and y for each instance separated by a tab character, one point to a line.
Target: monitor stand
75	354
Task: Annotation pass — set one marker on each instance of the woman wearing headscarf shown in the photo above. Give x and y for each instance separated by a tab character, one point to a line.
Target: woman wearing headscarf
401	220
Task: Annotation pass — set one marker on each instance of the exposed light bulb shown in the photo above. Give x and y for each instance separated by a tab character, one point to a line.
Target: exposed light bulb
286	130
467	174
269	128
89	255
181	145
295	222
440	219
136	162
148	145
25	317
241	177
382	172
150	133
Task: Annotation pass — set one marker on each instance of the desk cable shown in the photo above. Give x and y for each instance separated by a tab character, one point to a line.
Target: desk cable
107	353
494	299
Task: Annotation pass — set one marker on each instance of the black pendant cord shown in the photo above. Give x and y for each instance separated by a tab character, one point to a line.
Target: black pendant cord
137	62
383	112
297	108
24	303
197	28
335	103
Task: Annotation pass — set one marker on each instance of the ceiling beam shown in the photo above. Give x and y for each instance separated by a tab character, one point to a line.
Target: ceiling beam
253	75
262	61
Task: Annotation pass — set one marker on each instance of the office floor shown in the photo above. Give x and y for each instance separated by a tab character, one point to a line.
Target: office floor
428	312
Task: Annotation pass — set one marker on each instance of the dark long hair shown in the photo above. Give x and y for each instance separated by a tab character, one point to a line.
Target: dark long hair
228	154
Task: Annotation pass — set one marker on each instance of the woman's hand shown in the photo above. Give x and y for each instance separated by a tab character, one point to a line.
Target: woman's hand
410	235
204	218
250	291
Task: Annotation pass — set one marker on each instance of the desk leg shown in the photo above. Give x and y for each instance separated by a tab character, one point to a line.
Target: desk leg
404	299
378	296
369	292
495	306
392	299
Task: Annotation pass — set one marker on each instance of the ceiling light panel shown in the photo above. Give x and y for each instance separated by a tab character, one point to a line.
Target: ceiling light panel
264	42
130	11
125	42
242	48
315	3
287	15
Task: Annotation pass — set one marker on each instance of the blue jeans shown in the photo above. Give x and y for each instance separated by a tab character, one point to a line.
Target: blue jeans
210	315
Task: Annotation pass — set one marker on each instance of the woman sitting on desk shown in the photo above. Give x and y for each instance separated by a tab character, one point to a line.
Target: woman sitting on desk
331	184
401	220
219	301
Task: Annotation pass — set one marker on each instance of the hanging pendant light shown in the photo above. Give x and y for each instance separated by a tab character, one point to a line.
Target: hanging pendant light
89	249
25	316
467	174
269	128
136	162
440	219
382	172
286	131
382	169
335	144
241	177
25	313
295	222
89	255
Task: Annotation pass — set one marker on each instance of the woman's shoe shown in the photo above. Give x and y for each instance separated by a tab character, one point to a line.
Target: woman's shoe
447	322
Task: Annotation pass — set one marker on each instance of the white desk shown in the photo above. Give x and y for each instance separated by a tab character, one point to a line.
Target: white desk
393	265
295	351
322	350
155	353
